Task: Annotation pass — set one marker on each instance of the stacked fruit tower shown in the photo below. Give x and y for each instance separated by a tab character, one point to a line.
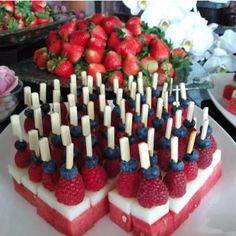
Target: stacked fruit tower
116	49
91	156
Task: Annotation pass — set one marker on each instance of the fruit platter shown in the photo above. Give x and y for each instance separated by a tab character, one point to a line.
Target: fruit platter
103	43
27	21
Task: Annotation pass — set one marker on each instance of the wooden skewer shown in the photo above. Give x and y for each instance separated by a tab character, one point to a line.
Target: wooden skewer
164	89
69	156
35	100
73	116
44	149
90	84
174	149
86	125
16	127
183	91
122	110
71	100
159	108
145	109
38	120
138	104
89	147
190	111
56	84
43	92
178	119
84	78
65	135
128	123
144	155
27	96
34	141
169	128
56	96
204	129
107	116
111	137
133	90
85	95
191	141
130	81
115	85
56	123
150	139
98	79
149	96
90	109
73	79
125	149
154	81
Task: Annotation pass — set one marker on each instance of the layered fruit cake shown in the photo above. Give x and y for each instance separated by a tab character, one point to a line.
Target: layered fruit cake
140	158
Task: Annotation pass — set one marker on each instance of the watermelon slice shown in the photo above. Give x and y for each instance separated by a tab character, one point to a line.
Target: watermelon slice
228	91
45	211
100	209
231	107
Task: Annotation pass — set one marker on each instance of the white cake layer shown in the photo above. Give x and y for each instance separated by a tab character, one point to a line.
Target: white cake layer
47	196
177	204
149	215
96	197
16	172
33	187
71	212
121	202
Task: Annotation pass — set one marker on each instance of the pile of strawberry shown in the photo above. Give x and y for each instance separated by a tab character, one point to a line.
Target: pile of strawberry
116	49
22	14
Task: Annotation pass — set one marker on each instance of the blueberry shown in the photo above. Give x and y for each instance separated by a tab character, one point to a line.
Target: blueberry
184	103
137	118
157	123
36	160
116	111
209	130
171	99
150	112
165	115
20	145
129	166
156	93
189	124
109	153
76	131
49	167
84	108
175	108
29	113
131	103
93	97
165	143
91	162
132	139
45	108
143	99
142	132
152	172
192	157
181	132
121	127
154	160
56	140
203	143
68	174
93	124
176	166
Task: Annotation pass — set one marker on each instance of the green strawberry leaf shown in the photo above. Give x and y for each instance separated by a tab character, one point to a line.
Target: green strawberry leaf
23	7
2	13
144	52
43	14
119	32
12	24
30	18
80	66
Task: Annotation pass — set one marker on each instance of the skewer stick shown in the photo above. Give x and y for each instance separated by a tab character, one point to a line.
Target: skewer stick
38	120
149	96
177	96
89	148
154	81
56	95
145	109
85	95
164	89
204	129
138	104
102	89
16	127
56	84
190	111
71	100
102	102
43	92
159	108
125	149
34	141
130	81
73	90
122	110
44	149
57	108
111	137
178	119
86	125
73	116
140	85
65	135
115	85
107	116
90	84
174	149
27	96
191	141
166	102
128	123
56	123
90	109
35	100
144	155
98	79
150	140
73	79
169	128
171	86
119	96
205	114
84	78
133	90
69	156
183	91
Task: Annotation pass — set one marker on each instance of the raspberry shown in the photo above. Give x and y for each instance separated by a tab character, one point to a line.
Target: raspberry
205	157
164	158
29	124
176	183
94	178
128	183
134	150
46	125
152	192
182	147
35	173
191	170
213	143
58	155
49	181
70	191
23	158
112	167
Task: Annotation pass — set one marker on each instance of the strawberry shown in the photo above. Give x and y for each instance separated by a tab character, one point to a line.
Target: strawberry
191	170
21	24
179	52
43	17
22	157
94	68
131	65
64	68
83	25
110	22
55	48
39	52
35	173
149	63
72	51
113	40
38	6
147	37
165	71
175	179
42	60
52	37
98	32
94	176
127	46
22	9
93	56
97	18
52	64
8	5
31	20
112	60
159	50
79	38
152	192
70	188
67	29
134	25
116	75
96	43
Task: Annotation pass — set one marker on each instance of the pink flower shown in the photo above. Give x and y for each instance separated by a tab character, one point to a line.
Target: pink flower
8	80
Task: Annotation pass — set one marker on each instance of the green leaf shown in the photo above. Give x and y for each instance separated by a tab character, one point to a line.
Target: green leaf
144	52
23	7
12	24
2	13
43	14
119	32
80	66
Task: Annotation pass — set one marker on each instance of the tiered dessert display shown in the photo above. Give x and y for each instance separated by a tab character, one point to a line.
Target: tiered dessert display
116	49
80	161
